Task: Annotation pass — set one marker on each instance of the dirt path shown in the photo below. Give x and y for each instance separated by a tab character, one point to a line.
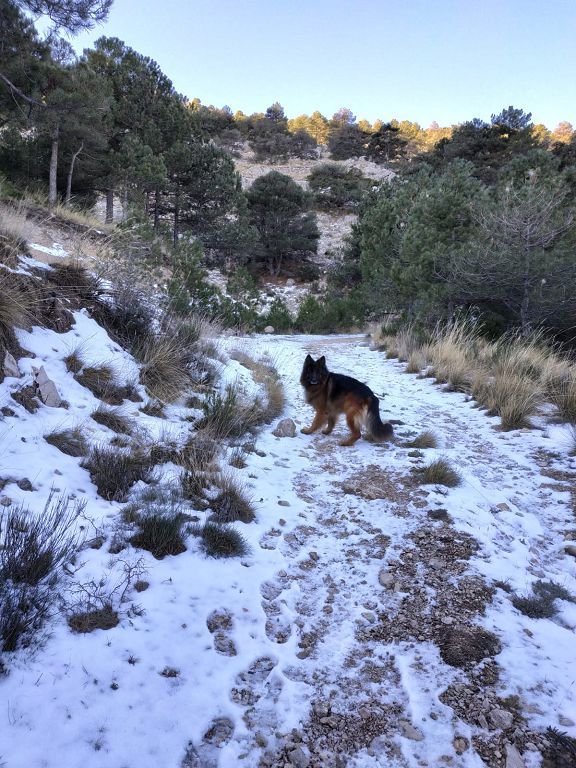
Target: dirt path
391	620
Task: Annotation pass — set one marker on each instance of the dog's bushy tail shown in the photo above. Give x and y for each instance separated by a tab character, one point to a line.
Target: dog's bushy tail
376	428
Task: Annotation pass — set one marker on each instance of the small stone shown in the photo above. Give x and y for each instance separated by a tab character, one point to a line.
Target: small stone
25	485
513	757
314	556
283	503
298	758
501	718
447	620
46	388
290	282
285	428
565	721
502	507
5	501
570	549
369	616
386	579
482	722
269	329
409	731
461	744
10	366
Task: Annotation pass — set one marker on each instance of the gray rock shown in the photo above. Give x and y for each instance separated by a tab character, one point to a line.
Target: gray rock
501	718
269	329
46	388
285	428
386	579
461	744
409	731
10	366
570	549
298	758
565	721
513	757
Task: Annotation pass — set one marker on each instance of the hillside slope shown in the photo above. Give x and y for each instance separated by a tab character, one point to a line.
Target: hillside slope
370	622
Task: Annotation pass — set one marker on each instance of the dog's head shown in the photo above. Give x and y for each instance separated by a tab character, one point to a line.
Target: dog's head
314	372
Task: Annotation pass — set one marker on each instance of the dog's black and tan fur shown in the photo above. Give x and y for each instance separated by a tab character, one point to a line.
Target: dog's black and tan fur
331	394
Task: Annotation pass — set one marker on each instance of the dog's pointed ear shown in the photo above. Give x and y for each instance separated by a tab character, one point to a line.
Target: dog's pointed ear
321	361
308	359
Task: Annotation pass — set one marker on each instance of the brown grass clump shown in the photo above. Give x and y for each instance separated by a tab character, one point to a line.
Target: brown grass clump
426	439
512	395
14	233
73	361
73	281
562	393
418	360
165	366
69	441
113	418
16	311
452	354
439	472
100	380
232	503
264	372
99	618
114	472
227	416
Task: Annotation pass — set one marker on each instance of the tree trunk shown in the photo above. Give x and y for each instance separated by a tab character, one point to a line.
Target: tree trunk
52	190
70	173
146	204
156	209
176	216
109	206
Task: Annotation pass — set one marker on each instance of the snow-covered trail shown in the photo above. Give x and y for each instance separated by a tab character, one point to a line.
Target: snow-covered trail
379	569
365	627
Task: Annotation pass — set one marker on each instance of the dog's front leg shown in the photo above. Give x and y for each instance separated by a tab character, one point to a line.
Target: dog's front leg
319	419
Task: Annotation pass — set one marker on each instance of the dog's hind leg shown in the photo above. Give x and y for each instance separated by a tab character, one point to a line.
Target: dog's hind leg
352	419
319	419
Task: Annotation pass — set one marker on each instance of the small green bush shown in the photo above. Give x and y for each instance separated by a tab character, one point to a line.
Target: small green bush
221	540
160	533
114	472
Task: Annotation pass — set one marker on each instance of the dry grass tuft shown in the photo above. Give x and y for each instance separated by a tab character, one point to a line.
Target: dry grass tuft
562	393
73	281
69	441
114	472
228	416
440	472
165	366
16	311
15	231
232	503
113	418
220	540
426	439
98	618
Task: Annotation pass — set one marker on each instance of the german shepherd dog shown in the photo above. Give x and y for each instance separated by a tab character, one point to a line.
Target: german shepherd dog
331	394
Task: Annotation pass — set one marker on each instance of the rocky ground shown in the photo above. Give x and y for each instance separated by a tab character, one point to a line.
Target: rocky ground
394	600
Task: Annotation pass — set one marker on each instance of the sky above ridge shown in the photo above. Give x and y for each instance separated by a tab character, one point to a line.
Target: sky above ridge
449	60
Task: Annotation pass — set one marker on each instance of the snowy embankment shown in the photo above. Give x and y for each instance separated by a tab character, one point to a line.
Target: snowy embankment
350	635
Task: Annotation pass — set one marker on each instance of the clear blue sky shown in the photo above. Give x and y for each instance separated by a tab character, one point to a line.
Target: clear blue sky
422	60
